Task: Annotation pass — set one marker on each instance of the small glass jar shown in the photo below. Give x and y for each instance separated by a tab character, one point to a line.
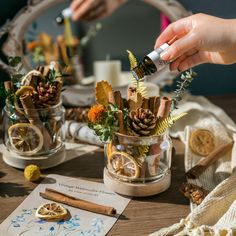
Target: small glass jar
33	132
138	159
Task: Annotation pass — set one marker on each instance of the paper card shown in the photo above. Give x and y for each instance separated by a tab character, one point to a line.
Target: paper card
23	222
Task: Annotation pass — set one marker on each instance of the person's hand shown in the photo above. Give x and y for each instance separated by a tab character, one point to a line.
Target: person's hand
93	9
200	39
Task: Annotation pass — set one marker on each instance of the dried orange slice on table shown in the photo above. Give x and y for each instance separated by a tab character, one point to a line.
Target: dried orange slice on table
124	165
50	211
202	142
25	138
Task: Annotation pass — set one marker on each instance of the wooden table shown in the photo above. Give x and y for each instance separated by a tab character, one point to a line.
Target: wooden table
142	215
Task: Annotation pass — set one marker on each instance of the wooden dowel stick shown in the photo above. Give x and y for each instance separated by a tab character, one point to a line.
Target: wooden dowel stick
205	162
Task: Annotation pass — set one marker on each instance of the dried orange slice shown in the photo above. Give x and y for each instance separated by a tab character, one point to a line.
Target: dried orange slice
50	211
25	90
124	165
25	138
202	142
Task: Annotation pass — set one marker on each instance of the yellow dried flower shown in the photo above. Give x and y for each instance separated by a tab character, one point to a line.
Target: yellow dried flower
95	113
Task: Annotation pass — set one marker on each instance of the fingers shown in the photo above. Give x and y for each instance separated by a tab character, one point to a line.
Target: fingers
178	28
75	4
95	13
179	47
175	64
193	60
82	8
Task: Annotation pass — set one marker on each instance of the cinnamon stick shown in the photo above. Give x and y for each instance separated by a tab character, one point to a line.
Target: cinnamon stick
205	162
151	103
9	86
34	119
145	104
121	122
56	196
164	109
118	100
111	98
156	105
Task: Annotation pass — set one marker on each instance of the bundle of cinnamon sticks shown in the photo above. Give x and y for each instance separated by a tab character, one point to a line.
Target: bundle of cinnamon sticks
159	106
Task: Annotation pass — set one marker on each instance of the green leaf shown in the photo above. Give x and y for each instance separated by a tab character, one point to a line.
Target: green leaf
14	61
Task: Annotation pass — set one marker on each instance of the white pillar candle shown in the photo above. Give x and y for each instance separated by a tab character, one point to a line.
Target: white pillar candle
108	70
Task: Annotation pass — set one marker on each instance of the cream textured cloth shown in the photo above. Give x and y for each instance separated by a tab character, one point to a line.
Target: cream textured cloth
216	215
81	132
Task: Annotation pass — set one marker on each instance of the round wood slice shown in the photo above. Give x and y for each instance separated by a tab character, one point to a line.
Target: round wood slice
137	189
44	162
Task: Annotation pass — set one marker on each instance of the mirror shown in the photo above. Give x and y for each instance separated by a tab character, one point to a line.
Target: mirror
134	26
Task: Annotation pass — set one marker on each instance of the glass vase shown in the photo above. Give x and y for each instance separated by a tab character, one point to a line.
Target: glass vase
33	132
138	159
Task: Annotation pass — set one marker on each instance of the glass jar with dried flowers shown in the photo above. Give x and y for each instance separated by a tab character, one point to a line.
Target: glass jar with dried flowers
33	119
135	132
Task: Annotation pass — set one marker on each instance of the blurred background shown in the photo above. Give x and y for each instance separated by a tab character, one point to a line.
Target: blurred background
133	26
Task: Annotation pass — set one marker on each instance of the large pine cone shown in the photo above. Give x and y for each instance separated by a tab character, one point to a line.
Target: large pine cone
141	122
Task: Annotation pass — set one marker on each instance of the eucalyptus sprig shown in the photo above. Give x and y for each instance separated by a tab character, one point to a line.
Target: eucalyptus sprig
185	80
16	67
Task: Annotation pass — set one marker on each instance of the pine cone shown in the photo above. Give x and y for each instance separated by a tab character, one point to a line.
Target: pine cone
79	114
47	94
141	122
193	192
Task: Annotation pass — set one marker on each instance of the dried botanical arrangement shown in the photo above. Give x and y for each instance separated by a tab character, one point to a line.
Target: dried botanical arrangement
33	109
138	116
44	50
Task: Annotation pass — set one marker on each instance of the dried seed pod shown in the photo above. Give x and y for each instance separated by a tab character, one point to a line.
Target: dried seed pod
193	192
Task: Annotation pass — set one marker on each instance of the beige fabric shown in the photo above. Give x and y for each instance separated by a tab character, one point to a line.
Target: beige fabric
216	215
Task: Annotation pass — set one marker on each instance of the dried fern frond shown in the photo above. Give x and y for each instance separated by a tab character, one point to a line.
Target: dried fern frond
132	60
162	125
142	151
140	86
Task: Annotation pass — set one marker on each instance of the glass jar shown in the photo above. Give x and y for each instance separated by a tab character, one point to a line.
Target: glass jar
33	132
138	159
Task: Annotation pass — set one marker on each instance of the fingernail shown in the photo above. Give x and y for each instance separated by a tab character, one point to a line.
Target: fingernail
165	56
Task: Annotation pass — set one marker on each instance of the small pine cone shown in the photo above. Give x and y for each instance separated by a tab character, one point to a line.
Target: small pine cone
79	114
47	94
141	122
193	192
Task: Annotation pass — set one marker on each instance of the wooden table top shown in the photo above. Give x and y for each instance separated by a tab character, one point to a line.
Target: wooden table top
142	215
